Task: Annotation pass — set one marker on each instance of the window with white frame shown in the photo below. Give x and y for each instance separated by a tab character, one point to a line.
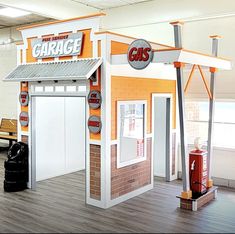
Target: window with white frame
60	87
197	115
131	132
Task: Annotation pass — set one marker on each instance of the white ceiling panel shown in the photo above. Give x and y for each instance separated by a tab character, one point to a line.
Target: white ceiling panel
6	22
135	1
107	4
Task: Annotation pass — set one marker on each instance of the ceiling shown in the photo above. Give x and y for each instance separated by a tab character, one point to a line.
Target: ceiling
133	12
6	22
108	4
70	8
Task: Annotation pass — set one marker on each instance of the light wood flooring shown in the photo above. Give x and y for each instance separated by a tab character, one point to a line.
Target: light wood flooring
58	206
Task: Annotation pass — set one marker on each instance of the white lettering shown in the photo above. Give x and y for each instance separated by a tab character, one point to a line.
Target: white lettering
51	49
68	49
60	48
71	45
77	46
44	49
36	50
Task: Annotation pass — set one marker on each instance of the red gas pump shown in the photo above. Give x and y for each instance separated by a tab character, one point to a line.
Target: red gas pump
198	172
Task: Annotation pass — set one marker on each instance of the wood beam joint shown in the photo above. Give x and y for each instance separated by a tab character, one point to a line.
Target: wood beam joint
213	69
179	65
204	81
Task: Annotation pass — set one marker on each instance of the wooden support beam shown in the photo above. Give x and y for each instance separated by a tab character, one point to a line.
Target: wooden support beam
190	77
204	81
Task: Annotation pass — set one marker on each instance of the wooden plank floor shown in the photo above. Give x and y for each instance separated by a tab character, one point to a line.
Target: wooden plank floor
58	206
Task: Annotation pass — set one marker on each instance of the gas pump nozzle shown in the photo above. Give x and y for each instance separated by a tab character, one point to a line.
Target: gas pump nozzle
193	165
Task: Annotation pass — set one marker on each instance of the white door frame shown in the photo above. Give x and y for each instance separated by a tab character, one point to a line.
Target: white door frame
169	176
32	140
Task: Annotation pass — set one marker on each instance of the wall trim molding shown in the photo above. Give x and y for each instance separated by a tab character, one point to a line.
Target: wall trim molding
217	181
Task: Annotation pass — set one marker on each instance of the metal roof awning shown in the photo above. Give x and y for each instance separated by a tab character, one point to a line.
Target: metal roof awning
62	70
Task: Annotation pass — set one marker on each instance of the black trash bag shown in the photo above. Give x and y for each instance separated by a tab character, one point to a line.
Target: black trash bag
14	186
16	168
18	152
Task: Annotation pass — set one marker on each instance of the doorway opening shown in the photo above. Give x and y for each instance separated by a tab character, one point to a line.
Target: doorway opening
162	131
58	136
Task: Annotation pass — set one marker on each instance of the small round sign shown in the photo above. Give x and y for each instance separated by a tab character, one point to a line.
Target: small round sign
94	99
94	124
140	54
24	119
24	98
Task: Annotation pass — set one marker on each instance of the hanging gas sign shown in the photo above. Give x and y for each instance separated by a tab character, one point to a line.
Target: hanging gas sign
94	99
24	98
94	124
140	54
24	119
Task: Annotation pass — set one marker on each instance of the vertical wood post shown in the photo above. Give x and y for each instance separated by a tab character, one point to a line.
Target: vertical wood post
180	88
211	110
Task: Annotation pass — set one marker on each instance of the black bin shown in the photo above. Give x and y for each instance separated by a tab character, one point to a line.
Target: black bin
16	168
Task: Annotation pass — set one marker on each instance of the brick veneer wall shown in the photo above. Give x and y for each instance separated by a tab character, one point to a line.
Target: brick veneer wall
95	187
199	202
127	179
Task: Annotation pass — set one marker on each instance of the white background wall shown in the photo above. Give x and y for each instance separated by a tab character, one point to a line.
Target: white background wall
8	91
223	166
149	20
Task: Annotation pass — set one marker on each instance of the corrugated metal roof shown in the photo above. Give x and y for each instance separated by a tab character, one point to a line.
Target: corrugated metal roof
63	70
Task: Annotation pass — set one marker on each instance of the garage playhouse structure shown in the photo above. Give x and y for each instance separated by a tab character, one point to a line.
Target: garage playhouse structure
106	103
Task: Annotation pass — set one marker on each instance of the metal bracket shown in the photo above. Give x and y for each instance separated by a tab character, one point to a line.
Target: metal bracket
93	77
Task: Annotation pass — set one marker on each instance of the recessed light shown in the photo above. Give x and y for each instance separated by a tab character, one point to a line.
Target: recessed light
12	12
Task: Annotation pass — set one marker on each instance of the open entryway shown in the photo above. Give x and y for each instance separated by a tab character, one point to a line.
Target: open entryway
162	127
58	136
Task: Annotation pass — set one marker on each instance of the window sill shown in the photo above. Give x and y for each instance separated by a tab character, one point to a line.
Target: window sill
131	162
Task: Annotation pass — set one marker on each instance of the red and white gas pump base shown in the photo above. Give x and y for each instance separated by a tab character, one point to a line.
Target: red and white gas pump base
196	169
195	204
209	183
201	193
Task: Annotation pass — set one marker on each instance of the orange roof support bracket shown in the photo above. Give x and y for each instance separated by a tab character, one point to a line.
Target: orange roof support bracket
179	64
190	77
216	36
213	69
177	23
204	81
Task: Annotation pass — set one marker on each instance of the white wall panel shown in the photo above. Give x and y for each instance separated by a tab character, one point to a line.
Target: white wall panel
75	133
59	124
159	156
50	137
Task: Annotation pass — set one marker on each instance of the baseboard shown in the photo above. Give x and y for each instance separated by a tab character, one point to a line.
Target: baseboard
217	181
223	182
179	175
129	195
158	178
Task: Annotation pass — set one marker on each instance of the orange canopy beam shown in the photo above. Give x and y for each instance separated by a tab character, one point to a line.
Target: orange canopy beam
190	77
204	81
